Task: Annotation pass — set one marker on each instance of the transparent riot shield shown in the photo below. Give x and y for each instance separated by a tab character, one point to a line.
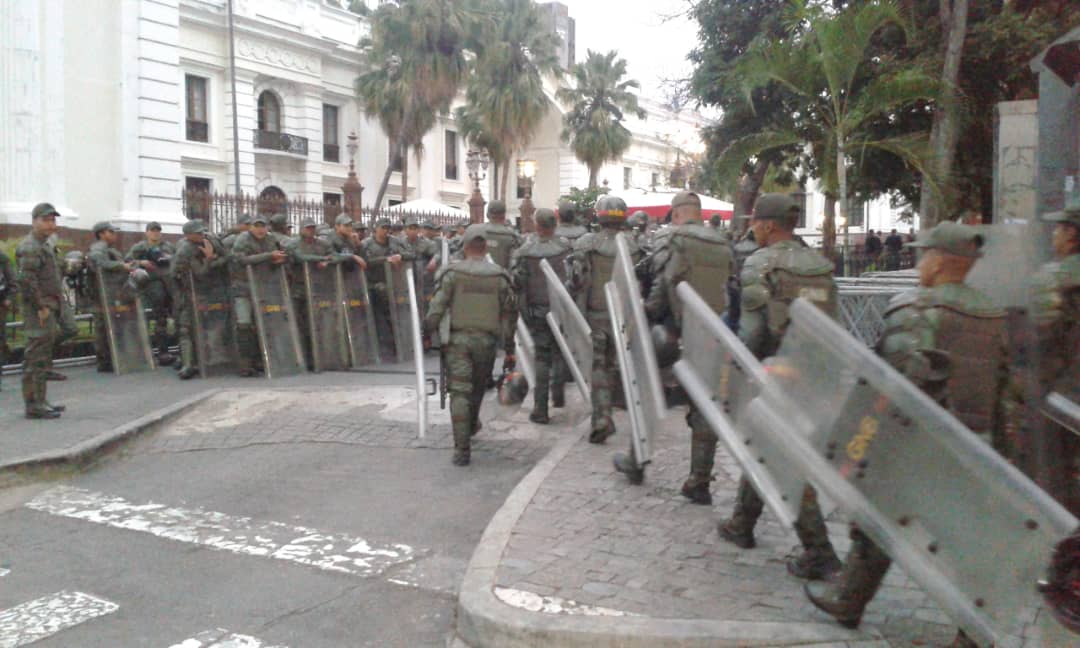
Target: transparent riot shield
397	294
418	357
362	341
862	309
634	349
326	318
125	324
570	330
526	352
275	320
722	377
211	307
963	522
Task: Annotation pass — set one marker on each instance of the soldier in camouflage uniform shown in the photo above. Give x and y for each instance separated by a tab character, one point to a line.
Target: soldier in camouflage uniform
477	298
243	224
638	223
39	289
569	228
949	340
197	256
378	251
258	245
308	248
7	301
702	257
590	267
772	277
423	250
1055	316
153	255
279	229
533	303
501	239
103	256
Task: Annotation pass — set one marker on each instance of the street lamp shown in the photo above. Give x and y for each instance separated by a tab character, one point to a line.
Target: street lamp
526	174
352	188
477	163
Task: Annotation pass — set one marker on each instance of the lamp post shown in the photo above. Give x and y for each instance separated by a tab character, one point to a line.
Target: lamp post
477	163
352	188
526	174
841	222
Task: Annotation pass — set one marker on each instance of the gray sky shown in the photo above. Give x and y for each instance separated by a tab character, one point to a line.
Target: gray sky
654	49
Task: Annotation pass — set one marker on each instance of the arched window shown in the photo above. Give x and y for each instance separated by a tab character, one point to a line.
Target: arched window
272	200
269	112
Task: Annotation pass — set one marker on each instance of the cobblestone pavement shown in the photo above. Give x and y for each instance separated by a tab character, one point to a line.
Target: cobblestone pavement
590	537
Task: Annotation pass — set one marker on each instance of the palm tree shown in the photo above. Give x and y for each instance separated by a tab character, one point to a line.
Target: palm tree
414	65
598	101
821	65
505	99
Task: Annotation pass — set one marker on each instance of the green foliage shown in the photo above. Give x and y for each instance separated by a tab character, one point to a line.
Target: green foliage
584	199
599	99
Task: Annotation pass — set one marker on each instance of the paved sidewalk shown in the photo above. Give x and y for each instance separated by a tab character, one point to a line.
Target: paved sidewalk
587	559
99	403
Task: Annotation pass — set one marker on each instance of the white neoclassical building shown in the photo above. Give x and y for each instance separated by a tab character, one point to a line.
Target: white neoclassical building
110	109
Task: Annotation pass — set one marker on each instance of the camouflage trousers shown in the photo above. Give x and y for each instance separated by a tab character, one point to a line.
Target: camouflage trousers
38	356
809	525
156	297
702	447
384	330
546	352
470	358
604	377
185	332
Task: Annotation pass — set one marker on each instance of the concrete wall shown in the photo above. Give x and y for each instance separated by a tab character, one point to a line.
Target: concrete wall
1016	143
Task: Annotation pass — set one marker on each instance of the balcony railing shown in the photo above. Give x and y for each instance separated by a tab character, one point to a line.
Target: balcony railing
197	131
331	153
281	142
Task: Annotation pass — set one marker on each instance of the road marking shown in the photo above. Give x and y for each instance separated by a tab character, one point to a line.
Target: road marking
4	572
222	638
242	535
34	620
552	604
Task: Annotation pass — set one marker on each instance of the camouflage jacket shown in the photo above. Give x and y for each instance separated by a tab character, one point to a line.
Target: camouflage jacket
1055	312
7	279
376	254
521	271
189	258
248	250
454	280
303	251
671	268
580	269
159	254
106	258
38	274
502	240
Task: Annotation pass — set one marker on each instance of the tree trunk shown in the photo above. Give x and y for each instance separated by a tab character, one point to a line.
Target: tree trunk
505	180
594	171
747	194
495	180
828	227
404	172
933	208
841	176
384	184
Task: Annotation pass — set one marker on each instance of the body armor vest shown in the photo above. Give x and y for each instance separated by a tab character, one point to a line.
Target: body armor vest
475	303
536	289
503	244
602	264
702	258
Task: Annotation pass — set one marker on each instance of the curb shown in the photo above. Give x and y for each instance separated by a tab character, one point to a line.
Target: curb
484	620
86	451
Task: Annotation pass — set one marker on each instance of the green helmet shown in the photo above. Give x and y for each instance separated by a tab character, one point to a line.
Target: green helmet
611	210
638	219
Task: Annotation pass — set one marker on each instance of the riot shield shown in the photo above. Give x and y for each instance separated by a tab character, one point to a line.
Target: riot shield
398	280
722	376
526	352
862	310
570	330
418	358
211	307
360	333
275	320
125	324
326	318
634	349
963	522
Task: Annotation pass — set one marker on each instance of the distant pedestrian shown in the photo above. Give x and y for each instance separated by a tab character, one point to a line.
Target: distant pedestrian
873	245
894	244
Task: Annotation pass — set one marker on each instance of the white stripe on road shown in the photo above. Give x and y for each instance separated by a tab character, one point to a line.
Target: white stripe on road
222	638
242	535
552	604
4	572
34	620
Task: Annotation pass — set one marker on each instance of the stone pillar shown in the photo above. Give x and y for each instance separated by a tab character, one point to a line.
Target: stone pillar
476	207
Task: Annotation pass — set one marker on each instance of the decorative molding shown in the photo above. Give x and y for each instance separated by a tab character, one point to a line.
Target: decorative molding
258	50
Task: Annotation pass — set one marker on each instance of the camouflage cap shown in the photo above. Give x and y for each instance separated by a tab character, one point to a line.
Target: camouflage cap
1071	216
280	218
382	222
308	222
496	207
153	225
103	226
41	210
428	225
473	232
412	221
544	217
396	226
951	238
344	219
258	218
194	226
567	211
244	219
775	206
684	198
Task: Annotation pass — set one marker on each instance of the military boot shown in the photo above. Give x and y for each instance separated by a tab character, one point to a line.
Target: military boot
696	489
187	360
558	395
702	459
246	351
818	561
814	564
846	597
628	465
39	411
739	528
600	435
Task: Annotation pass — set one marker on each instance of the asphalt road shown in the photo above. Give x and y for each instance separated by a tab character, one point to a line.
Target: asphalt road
293	519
